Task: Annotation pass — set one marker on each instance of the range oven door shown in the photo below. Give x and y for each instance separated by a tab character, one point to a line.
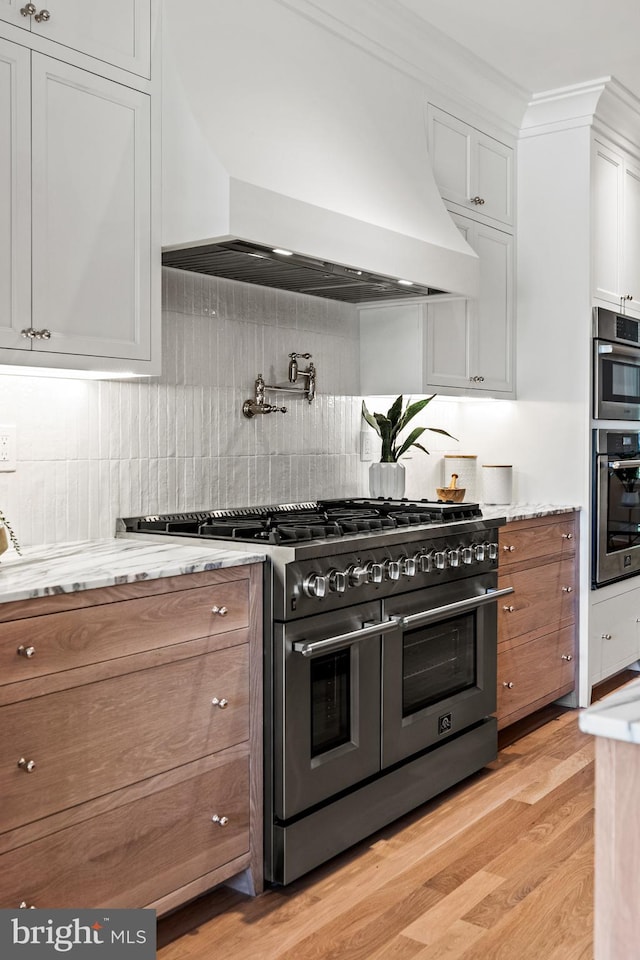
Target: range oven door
439	669
326	734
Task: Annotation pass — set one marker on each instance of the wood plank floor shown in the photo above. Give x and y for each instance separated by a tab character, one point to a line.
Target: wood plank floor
500	867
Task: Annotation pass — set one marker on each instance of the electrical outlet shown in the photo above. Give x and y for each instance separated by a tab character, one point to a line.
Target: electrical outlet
366	445
7	449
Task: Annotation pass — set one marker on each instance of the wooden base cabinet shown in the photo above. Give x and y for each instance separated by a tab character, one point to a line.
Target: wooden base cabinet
537	623
133	780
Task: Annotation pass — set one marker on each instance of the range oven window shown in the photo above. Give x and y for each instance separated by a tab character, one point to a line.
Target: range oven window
621	381
438	661
623	509
330	701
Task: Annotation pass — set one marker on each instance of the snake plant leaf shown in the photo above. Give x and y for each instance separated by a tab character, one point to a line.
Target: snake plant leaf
412	410
410	441
370	419
388	427
395	411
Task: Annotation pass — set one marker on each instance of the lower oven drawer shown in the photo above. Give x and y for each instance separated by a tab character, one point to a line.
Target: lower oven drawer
138	851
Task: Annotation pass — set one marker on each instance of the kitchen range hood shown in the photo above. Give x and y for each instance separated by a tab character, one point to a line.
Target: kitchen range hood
278	177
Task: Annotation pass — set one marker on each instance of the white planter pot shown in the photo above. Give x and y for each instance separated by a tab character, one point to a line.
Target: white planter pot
386	480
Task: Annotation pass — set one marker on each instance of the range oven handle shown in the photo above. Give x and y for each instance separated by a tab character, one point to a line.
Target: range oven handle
624	464
311	649
438	613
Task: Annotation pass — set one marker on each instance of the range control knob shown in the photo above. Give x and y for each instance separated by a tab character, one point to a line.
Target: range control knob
453	556
480	550
391	569
492	550
423	562
440	560
374	572
467	555
407	566
315	585
337	581
356	575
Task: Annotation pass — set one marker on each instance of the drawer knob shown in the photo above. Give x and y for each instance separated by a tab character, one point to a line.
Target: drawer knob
221	821
606	636
23	651
508	609
508	685
219	703
43	16
23	905
566	656
509	549
567	589
567	536
220	611
27	765
28	11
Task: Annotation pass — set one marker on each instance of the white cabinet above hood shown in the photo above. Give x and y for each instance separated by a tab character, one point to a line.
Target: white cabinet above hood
282	134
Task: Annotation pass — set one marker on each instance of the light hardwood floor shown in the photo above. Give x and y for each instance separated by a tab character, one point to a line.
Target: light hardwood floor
498	868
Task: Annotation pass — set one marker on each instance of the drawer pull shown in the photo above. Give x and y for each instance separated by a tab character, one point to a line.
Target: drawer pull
23	651
508	549
567	536
566	656
606	636
220	611
508	685
219	703
221	821
508	609
567	589
23	905
27	765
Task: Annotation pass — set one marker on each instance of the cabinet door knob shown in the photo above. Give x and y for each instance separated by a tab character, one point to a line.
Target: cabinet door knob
567	536
28	333
23	651
477	200
27	765
509	549
28	10
219	703
44	15
221	821
508	609
606	636
42	334
220	611
567	589
566	656
508	685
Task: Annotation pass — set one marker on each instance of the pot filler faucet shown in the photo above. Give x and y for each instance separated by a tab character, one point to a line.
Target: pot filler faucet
258	404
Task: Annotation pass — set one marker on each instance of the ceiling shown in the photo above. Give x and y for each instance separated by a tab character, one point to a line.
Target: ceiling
547	44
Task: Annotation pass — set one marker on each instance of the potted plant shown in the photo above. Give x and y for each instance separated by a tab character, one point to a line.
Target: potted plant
387	477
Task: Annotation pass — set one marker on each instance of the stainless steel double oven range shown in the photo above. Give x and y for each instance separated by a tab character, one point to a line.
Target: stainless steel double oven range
380	660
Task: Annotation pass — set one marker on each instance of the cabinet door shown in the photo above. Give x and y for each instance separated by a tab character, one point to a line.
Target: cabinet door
493	182
608	181
631	235
118	32
15	196
391	349
613	634
91	213
492	326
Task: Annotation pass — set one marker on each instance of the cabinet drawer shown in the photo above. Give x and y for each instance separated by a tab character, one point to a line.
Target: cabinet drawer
533	541
139	851
538	671
94	739
74	638
543	597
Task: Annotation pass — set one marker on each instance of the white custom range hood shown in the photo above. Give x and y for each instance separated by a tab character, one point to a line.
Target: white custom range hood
278	135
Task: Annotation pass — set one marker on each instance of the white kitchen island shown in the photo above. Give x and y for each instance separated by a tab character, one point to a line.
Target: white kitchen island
615	722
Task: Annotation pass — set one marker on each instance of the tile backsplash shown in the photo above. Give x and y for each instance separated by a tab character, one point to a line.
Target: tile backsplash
90	451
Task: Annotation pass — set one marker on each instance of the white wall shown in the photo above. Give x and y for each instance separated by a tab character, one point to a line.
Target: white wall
89	452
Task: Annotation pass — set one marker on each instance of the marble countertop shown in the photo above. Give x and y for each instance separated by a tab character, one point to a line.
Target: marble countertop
616	717
85	564
524	511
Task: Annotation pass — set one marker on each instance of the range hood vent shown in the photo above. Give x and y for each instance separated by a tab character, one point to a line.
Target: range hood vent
253	263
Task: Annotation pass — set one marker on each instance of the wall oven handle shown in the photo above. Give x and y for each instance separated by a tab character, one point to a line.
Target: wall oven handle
438	613
315	647
624	464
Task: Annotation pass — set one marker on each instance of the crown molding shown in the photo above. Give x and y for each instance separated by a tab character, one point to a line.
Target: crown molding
395	35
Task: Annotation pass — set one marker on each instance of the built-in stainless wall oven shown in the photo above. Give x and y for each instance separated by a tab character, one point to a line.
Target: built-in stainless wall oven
616	366
616	506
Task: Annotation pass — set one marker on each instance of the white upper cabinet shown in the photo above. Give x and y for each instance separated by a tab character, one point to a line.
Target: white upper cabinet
616	228
117	32
472	169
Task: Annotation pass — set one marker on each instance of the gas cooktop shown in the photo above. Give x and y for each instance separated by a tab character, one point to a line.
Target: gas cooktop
301	522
